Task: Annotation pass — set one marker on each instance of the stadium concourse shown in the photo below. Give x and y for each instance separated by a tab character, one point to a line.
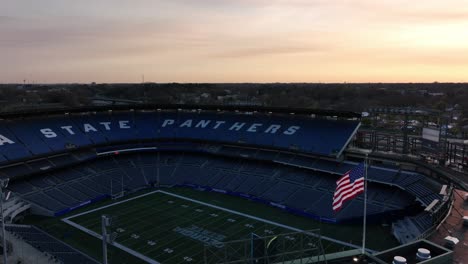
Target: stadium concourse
60	162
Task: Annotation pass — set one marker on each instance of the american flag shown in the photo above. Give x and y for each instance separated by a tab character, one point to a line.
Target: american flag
349	186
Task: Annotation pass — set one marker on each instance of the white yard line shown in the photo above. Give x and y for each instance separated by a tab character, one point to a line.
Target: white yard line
152	261
263	220
118	245
110	205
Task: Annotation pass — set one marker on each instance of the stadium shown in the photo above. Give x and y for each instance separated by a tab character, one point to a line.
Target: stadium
212	184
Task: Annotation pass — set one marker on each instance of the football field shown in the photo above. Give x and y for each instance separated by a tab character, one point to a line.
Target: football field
163	227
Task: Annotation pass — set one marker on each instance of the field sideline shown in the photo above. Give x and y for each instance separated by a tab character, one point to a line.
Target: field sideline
126	212
148	224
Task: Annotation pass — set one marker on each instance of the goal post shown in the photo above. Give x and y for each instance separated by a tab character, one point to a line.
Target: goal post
116	189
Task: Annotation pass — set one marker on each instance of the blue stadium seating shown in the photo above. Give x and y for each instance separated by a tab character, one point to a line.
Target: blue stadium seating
48	244
83	189
304	198
39	165
34	136
99	187
28	132
75	194
281	191
21	187
40	182
262	187
381	174
16	170
406	178
77	137
411	182
249	183
299	189
307	183
226	178
236	181
266	154
423	221
410	228
64	198
13	151
68	175
45	201
96	136
62	160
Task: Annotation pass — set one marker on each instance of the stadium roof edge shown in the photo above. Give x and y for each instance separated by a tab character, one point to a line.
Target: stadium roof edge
260	109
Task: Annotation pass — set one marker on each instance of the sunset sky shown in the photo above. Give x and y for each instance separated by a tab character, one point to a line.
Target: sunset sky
51	41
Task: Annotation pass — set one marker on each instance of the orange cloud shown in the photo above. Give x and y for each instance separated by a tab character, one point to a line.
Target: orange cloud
234	41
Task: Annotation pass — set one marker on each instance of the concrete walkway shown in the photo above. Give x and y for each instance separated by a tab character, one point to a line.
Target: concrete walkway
453	226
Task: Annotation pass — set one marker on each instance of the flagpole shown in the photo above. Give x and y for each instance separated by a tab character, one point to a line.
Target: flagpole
365	206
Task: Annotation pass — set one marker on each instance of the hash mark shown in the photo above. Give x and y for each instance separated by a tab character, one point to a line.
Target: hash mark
188	259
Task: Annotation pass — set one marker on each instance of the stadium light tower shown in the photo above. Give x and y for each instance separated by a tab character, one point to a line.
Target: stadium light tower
105	222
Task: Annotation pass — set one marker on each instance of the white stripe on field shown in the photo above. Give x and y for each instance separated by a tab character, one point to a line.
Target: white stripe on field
152	261
117	245
264	220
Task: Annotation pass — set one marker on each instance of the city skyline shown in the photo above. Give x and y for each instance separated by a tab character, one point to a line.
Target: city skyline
54	41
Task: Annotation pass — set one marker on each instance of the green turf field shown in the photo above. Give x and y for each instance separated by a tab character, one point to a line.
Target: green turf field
153	218
169	228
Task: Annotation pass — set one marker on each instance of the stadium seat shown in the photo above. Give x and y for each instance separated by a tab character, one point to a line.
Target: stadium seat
306	190
49	245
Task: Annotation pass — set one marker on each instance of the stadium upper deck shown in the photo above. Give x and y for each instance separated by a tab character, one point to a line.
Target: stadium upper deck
263	156
26	135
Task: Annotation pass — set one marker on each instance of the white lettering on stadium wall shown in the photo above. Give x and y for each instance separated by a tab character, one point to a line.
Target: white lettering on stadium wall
4	140
278	129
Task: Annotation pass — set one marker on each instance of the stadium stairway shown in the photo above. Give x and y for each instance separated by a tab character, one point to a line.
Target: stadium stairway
53	248
14	207
411	228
